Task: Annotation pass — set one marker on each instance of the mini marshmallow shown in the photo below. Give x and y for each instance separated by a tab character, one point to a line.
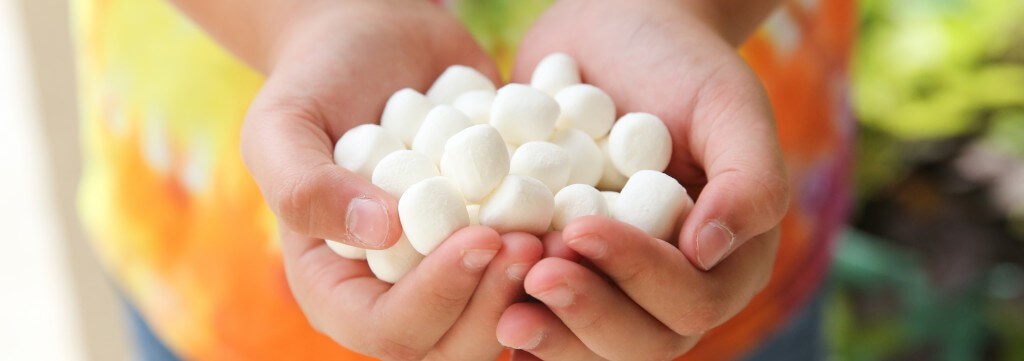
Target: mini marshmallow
554	72
441	123
653	202
523	114
474	214
476	105
587	108
455	81
390	265
577	200
586	157
400	170
404	113
610	198
430	211
639	141
543	161
361	148
346	251
476	160
519	204
611	178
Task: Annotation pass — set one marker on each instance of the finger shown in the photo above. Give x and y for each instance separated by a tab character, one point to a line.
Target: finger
289	154
554	246
747	191
412	316
656	276
472	337
604	318
532	328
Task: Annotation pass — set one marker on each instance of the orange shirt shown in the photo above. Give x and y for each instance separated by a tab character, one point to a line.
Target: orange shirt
183	230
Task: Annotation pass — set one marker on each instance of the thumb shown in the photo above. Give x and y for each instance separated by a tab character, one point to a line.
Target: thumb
289	153
747	191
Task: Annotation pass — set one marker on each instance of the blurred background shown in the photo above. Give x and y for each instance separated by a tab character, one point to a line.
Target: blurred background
930	268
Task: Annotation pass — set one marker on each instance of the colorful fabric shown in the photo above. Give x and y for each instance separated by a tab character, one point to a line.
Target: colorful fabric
183	229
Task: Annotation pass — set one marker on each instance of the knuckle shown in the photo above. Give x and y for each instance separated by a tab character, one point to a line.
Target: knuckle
390	348
702	316
291	199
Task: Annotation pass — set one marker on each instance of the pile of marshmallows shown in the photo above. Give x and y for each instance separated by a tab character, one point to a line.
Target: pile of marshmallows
523	158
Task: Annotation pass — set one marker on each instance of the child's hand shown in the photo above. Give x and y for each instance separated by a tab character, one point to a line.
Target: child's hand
334	69
658	56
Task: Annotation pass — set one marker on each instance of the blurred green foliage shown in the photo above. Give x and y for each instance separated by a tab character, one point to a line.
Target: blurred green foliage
932	78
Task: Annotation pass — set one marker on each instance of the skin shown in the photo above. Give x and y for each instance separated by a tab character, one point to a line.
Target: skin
331	65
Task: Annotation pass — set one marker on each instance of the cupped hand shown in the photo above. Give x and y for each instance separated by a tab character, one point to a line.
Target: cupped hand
652	300
333	69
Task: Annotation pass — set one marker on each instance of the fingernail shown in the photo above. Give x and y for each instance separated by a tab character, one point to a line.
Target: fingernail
533	343
713	242
560	297
476	259
592	247
367	222
517	272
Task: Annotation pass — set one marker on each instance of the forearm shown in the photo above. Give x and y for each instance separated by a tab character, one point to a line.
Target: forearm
252	29
735	20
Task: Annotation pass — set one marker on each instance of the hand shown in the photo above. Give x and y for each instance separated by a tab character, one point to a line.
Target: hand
658	56
335	68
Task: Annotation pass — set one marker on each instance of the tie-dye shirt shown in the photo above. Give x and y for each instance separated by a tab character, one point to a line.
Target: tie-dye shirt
184	232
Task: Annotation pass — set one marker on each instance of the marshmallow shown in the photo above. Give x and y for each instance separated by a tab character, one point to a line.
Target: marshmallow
520	204
476	105
554	72
586	157
476	160
361	148
587	108
400	170
610	198
430	212
523	114
474	214
441	123
577	200
611	178
639	141
543	161
346	251
455	81
390	265
653	202
404	113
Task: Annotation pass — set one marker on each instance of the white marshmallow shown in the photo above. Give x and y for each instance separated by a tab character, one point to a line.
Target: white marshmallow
639	141
455	81
361	148
346	251
476	160
441	123
390	265
430	212
653	202
611	178
587	108
400	170
543	161
476	105
554	72
523	114
586	157
577	200
404	113
520	204
610	198
474	214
